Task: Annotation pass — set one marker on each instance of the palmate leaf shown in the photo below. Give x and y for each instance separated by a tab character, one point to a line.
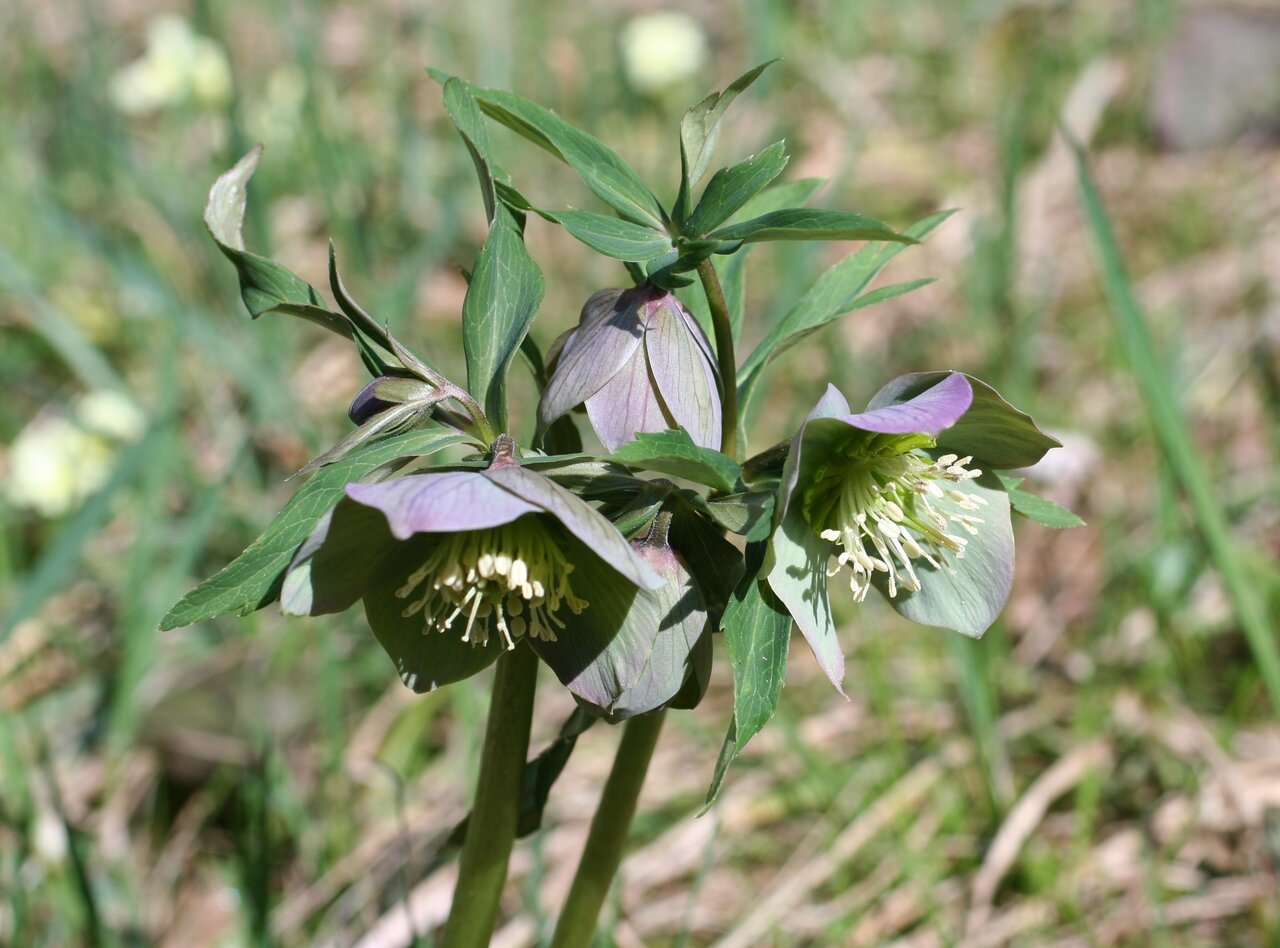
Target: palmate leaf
757	631
502	299
612	236
731	188
731	269
252	580
810	223
700	131
265	286
674	452
1035	508
609	177
838	291
466	117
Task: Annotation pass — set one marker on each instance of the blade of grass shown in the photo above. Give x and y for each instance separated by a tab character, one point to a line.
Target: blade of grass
977	690
1173	435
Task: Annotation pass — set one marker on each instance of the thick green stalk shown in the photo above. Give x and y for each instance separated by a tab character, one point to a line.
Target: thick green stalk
608	836
482	869
724	355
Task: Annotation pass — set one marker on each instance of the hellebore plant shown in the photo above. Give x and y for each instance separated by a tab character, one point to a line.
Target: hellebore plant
469	547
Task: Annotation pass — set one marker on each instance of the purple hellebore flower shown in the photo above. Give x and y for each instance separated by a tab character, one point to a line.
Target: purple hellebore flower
496	561
887	494
456	566
640	362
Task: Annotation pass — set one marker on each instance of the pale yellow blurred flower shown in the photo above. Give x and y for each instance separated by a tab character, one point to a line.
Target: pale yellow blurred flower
111	414
276	116
57	461
178	66
662	49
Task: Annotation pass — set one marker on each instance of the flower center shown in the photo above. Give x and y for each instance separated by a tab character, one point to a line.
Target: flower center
886	505
514	574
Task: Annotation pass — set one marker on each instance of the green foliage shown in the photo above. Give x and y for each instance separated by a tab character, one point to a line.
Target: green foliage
839	290
612	236
265	286
700	132
506	288
806	223
1038	509
252	580
673	452
731	188
609	177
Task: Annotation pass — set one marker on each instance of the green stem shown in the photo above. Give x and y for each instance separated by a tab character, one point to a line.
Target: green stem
482	869
609	829
724	355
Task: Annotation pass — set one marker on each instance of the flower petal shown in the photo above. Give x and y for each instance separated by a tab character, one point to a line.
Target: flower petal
994	432
969	593
683	376
607	336
930	412
425	660
343	557
812	439
579	518
796	570
441	502
581	656
646	662
627	405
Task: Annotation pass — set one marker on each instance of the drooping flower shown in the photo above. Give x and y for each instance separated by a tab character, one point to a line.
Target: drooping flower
640	362
895	497
661	656
456	566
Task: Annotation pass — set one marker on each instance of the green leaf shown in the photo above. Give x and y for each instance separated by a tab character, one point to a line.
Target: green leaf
995	433
738	513
779	197
757	630
731	188
609	177
252	580
810	223
466	117
1039	509
674	452
502	298
732	269
612	236
838	291
968	593
265	286
700	131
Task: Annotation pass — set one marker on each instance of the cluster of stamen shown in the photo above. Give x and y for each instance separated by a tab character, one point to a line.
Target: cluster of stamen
513	577
880	506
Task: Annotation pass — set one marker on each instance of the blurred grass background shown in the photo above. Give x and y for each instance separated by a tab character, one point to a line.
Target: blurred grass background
1103	768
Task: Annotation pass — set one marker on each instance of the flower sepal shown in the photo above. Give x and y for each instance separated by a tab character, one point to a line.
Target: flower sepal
884	498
